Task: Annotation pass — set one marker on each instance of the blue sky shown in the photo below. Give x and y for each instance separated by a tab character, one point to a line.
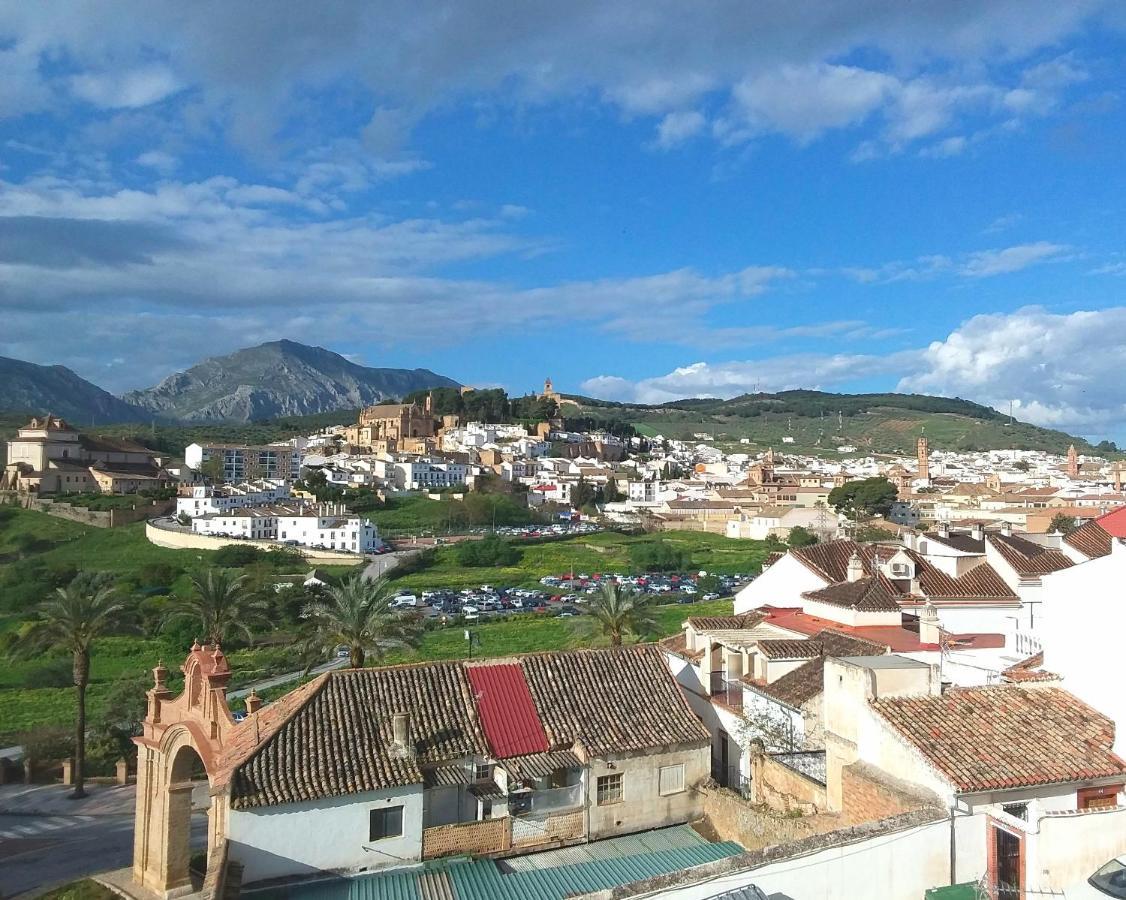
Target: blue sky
643	201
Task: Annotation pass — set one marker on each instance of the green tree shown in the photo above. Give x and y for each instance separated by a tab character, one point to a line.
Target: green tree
1062	523
801	537
491	550
221	606
616	611
1021	465
358	615
582	494
610	493
864	498
71	620
212	470
656	556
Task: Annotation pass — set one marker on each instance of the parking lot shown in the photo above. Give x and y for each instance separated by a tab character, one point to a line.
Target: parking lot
562	595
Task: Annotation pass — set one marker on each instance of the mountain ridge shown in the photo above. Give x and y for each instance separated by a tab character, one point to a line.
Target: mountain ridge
36	389
277	378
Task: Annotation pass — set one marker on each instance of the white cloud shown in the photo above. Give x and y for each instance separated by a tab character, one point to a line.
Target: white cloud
1011	259
164	163
677	127
980	264
252	73
130	89
730	379
1061	370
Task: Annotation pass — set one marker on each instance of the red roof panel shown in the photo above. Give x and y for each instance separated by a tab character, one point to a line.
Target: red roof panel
1114	522
508	715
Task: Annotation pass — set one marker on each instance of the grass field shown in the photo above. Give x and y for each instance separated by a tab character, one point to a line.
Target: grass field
36	692
602	552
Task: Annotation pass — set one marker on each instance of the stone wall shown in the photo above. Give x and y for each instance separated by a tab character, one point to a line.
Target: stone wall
757	825
783	789
870	795
111	518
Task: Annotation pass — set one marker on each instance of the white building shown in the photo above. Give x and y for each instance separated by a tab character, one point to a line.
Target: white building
241	462
202	500
426	474
324	526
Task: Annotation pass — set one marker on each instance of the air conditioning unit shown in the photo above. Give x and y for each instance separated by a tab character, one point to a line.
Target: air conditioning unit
900	569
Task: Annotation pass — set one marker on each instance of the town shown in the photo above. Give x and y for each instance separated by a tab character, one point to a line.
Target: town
909	612
592	451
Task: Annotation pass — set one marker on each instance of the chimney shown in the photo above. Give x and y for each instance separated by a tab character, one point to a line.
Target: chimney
930	631
1007	529
977	532
400	734
253	703
944	529
855	567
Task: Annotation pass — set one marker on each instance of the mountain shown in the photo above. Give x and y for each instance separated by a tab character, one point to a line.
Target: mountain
279	378
27	387
820	422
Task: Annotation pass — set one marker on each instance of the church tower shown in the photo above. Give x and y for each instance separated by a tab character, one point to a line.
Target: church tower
924	459
1072	462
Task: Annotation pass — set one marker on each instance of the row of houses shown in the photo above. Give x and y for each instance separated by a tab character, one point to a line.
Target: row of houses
321	526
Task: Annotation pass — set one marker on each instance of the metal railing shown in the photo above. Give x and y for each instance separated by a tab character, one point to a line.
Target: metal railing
727	691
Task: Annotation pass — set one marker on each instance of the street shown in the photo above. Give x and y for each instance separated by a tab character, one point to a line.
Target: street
40	852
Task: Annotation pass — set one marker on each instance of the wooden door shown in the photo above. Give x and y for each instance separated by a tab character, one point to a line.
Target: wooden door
1009	870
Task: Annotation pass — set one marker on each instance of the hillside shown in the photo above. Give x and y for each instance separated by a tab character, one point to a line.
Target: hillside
279	378
820	422
29	388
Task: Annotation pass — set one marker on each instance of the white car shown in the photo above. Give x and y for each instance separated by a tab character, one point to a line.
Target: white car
1108	881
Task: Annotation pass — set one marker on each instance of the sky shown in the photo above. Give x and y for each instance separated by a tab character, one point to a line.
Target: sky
643	201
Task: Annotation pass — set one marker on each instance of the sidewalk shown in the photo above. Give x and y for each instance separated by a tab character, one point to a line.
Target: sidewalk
54	800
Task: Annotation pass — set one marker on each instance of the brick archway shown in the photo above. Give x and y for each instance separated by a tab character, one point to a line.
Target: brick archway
177	731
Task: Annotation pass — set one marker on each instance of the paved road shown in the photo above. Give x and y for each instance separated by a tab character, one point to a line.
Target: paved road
385	563
287	677
40	852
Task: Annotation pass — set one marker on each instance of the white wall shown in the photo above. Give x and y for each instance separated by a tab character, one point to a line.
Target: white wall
1083	618
329	834
782	584
642	806
900	865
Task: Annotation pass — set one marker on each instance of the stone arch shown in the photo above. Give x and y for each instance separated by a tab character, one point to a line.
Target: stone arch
177	731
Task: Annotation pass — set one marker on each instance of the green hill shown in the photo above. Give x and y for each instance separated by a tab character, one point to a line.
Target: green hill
820	422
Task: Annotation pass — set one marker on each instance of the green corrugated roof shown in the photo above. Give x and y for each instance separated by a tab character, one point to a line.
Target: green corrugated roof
484	880
627	845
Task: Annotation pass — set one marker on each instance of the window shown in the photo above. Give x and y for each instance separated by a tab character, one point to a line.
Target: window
483	772
385	823
609	789
671	780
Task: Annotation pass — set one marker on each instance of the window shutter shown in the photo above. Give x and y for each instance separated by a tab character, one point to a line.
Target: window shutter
671	779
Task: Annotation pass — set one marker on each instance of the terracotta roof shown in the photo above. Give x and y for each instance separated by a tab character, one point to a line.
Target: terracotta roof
772	558
1029	670
807	680
980	583
504	703
958	540
334	737
1092	540
725	623
678	644
1026	557
1000	737
830	560
614	701
540	765
789	649
870	594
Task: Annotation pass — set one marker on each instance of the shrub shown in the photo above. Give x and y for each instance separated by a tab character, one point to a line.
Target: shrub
236	556
490	551
656	556
49	673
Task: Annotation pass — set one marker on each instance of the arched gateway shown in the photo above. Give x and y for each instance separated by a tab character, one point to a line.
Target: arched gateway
179	733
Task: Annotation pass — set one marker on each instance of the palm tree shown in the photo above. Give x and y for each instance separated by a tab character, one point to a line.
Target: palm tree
358	615
221	606
71	619
618	611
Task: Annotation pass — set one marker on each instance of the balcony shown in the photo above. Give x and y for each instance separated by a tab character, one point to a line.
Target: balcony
1025	644
551	801
727	691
